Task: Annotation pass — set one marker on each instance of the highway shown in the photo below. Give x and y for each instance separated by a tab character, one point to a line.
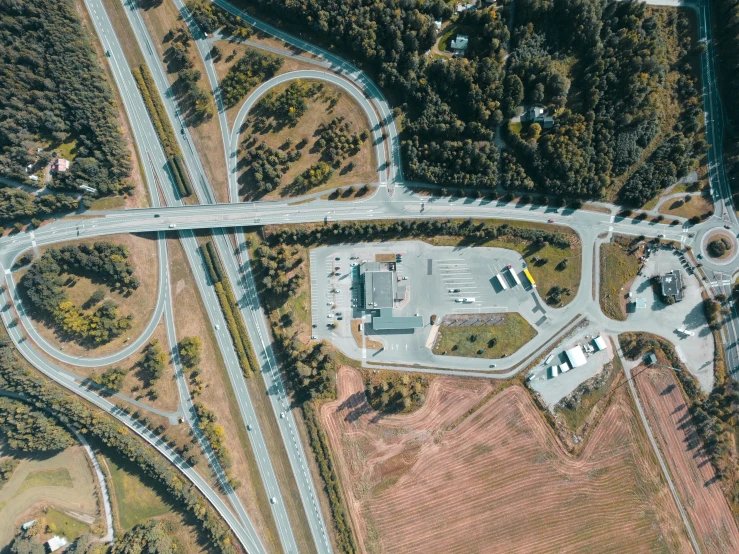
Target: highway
391	201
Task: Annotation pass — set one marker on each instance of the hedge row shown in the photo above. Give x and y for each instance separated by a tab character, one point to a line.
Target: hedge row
156	110
251	358
319	444
215	268
233	328
15	377
184	186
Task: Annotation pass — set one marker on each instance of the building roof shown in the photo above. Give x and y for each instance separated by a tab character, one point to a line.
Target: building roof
600	344
28	524
651	359
672	285
56	542
378	289
61	165
460	43
387	321
641	303
437	24
575	356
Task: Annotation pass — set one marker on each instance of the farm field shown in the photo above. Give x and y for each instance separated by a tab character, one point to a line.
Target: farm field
491	462
62	481
141	303
690	467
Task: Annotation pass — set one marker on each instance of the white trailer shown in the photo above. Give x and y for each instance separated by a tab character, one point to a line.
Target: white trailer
501	281
514	275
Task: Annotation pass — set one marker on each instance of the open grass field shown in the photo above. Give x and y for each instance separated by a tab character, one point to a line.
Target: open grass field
322	108
161	18
461	475
224	63
690	467
139	197
618	268
141	303
135	500
217	394
485	341
698	205
60	481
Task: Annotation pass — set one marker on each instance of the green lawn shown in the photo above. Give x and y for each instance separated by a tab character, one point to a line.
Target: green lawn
135	500
109	203
617	267
446	38
469	341
47	478
65	526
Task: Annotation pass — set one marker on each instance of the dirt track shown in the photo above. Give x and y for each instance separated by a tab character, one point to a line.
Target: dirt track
689	465
498	480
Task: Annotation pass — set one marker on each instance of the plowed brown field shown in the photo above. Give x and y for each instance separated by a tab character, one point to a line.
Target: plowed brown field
496	480
690	467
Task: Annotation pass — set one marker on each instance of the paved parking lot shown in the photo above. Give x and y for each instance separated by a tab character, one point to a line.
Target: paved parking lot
438	279
695	351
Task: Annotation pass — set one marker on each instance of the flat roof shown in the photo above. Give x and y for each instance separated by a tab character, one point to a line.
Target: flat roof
386	321
575	356
672	284
378	289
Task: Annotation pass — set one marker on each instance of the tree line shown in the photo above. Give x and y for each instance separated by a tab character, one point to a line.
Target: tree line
53	91
250	70
17	378
29	429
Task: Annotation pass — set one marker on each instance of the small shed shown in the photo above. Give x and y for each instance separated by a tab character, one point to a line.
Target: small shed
553	371
27	525
564	368
641	303
575	356
651	359
600	343
60	165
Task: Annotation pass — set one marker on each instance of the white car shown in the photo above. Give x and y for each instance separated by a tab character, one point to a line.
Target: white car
218	327
248	427
330	316
353	264
282	415
273	500
172	225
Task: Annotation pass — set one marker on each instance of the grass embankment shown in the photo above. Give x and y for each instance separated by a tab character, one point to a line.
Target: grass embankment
619	265
236	327
164	129
485	341
59	477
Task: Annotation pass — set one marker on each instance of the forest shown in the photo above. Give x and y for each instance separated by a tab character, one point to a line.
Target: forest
611	127
601	69
53	92
103	262
31	430
726	23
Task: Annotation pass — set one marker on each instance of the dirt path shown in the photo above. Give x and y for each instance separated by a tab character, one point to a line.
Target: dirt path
441	480
690	467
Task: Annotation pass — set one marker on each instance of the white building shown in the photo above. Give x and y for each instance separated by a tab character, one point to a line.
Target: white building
600	343
55	543
576	357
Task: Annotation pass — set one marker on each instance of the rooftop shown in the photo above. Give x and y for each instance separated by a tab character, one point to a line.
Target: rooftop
378	289
575	356
56	542
672	285
386	321
460	43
